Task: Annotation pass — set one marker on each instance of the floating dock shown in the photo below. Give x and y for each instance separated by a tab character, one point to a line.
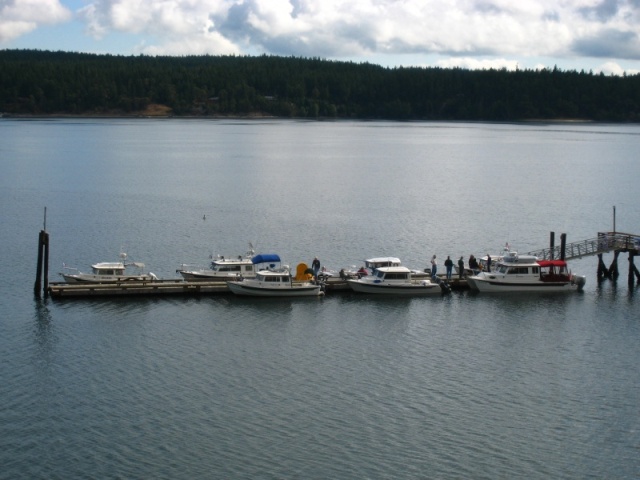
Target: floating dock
176	287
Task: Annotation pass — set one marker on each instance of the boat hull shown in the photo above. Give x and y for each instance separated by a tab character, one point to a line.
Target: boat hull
88	278
244	288
484	284
193	276
416	289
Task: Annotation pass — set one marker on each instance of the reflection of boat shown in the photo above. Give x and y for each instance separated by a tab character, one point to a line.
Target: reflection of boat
525	273
395	280
274	283
109	272
222	268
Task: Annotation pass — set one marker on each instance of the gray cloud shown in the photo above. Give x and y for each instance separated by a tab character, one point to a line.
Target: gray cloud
609	44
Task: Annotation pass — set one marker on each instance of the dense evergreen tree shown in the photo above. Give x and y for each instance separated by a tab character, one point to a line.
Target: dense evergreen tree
43	82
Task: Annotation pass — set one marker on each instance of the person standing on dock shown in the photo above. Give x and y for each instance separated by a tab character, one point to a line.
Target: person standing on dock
448	264
473	264
434	267
488	263
460	267
315	266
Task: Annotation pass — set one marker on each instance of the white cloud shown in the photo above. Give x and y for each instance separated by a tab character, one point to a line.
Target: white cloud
613	68
19	17
480	33
478	64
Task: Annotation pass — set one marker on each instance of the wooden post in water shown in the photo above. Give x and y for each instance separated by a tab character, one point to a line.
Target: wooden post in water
43	260
552	244
38	285
613	268
603	271
563	245
45	272
633	269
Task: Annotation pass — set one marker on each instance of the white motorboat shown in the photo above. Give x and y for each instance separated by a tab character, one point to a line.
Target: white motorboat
108	272
525	273
372	264
396	280
274	283
222	268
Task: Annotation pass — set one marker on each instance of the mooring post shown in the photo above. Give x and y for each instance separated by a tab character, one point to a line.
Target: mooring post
602	268
43	260
45	283
38	284
613	268
633	269
552	244
563	245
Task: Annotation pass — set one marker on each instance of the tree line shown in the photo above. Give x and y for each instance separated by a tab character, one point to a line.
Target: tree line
48	83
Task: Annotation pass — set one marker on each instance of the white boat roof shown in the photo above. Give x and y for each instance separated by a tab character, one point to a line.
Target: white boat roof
394	270
232	261
383	260
277	271
519	259
107	265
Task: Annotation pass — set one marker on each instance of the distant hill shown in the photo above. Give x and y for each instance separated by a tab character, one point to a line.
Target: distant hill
34	82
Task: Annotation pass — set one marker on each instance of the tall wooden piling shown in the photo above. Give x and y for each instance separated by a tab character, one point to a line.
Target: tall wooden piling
552	243
613	268
38	284
563	245
42	272
633	270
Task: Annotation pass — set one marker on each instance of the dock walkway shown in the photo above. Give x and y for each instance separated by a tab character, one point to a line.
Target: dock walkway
605	242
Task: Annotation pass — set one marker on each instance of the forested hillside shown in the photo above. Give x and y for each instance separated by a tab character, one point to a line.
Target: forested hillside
49	83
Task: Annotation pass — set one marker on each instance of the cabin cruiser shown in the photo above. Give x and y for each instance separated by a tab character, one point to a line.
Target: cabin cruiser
224	268
372	264
108	272
396	280
525	273
275	283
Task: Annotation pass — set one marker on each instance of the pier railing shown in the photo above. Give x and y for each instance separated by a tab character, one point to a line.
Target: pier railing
603	243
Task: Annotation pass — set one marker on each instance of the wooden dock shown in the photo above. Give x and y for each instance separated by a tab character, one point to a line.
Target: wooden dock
175	287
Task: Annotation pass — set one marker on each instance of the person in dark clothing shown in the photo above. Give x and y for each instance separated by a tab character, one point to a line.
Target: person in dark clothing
473	264
460	267
315	266
448	263
488	262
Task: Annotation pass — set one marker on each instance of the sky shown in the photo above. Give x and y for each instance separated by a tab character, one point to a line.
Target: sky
590	35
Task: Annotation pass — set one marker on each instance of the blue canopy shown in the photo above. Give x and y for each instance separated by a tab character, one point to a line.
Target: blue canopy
266	258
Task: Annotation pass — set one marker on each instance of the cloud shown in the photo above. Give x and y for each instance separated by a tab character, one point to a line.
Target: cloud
479	64
19	17
609	43
471	32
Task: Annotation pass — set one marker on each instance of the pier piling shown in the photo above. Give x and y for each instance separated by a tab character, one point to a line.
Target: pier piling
42	274
613	268
633	270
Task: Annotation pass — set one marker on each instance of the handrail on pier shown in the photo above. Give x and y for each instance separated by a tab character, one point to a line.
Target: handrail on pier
605	242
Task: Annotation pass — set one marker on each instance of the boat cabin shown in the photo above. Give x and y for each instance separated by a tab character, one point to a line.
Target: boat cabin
274	278
232	266
108	268
393	274
374	263
547	270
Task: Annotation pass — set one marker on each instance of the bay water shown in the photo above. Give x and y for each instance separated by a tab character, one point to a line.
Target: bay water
347	386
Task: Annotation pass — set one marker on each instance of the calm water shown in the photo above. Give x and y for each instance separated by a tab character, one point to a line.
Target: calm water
462	386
